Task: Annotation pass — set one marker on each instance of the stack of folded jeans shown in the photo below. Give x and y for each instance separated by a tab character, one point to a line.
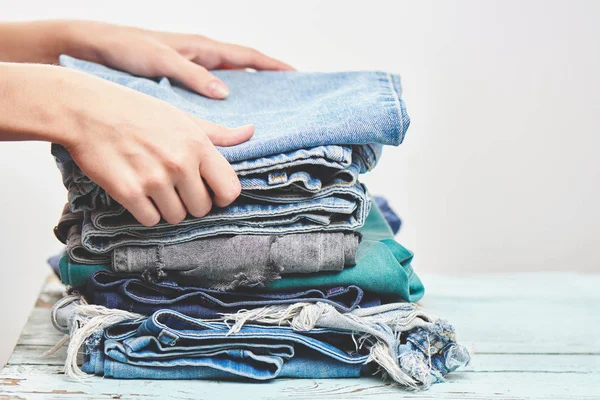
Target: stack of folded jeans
299	277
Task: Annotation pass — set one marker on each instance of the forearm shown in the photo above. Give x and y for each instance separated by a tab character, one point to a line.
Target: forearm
34	102
35	42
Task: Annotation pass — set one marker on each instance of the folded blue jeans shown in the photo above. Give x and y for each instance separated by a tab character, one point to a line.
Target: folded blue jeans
136	295
300	340
390	215
306	125
171	345
303	173
290	110
341	208
411	346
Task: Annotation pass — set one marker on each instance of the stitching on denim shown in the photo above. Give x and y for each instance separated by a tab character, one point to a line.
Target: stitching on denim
100	235
398	107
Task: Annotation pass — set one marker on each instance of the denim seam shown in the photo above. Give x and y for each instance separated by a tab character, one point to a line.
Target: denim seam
398	107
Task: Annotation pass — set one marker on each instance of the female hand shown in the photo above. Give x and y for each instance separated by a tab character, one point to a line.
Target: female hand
185	57
151	157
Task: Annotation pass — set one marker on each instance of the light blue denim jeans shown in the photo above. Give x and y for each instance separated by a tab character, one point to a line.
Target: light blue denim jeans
290	110
170	345
301	340
315	132
304	172
410	345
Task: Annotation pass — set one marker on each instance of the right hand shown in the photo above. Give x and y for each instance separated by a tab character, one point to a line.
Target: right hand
151	157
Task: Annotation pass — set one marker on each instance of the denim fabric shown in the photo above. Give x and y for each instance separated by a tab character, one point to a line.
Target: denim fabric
79	254
68	231
337	207
171	345
133	294
390	216
432	353
259	258
423	346
67	219
229	262
383	266
299	137
290	110
54	263
303	173
75	275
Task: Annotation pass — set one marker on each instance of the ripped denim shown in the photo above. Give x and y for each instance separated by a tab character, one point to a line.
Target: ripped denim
136	295
425	352
170	345
406	344
228	262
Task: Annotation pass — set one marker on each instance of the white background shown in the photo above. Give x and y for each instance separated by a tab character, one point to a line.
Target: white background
499	170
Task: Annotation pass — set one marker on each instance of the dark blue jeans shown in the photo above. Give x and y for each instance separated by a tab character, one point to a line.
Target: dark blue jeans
136	295
390	215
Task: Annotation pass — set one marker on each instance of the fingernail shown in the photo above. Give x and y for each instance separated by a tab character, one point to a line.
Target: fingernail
218	90
246	127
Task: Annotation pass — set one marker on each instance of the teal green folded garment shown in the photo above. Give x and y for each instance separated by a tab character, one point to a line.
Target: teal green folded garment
383	267
77	274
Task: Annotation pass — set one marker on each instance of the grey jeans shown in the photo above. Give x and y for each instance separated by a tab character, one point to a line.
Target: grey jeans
227	262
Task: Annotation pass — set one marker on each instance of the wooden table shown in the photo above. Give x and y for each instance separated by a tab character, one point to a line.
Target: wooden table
533	336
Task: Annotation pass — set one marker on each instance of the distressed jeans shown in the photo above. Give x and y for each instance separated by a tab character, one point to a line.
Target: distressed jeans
383	266
170	345
426	354
405	343
136	295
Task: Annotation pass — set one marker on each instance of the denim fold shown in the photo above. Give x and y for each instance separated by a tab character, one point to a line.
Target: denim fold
314	133
228	262
129	292
171	345
383	266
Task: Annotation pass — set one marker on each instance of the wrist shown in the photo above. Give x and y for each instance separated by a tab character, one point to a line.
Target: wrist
35	103
80	39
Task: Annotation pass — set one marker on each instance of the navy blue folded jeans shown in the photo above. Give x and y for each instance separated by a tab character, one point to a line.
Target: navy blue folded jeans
136	295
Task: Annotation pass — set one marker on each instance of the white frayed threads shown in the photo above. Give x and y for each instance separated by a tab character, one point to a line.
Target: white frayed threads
376	327
381	354
270	315
89	321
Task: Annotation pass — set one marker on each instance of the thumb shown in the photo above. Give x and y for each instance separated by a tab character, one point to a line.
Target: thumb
220	135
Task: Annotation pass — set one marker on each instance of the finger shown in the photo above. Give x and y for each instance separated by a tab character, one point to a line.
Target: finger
142	209
194	194
220	176
220	135
169	204
234	55
127	191
195	76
